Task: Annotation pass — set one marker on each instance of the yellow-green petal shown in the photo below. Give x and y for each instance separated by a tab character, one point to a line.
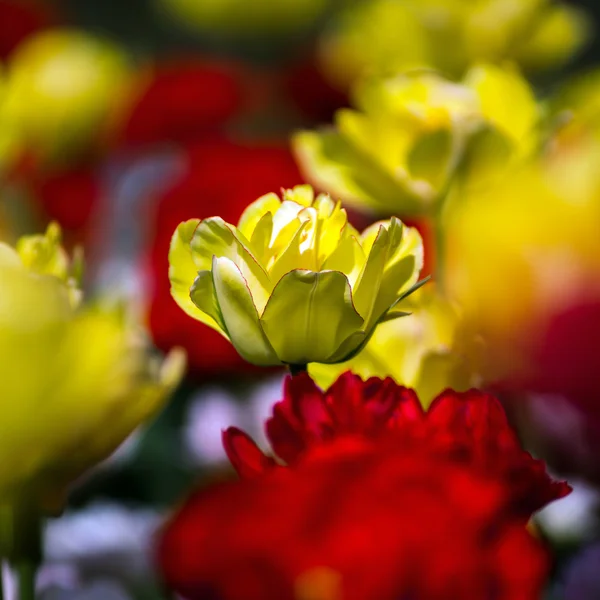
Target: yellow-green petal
240	316
309	314
203	295
269	203
215	237
183	272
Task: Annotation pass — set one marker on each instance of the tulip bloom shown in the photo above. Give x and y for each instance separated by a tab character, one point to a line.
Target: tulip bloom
294	282
206	184
76	380
410	137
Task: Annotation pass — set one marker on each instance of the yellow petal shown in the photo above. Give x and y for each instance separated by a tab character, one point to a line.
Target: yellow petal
203	295
300	194
215	237
269	203
494	85
240	316
308	315
348	258
294	256
183	272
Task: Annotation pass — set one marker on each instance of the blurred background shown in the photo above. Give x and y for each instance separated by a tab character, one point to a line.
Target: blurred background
121	119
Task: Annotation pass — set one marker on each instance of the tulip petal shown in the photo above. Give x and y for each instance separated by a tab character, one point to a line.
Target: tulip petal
240	316
309	314
367	286
351	346
348	258
250	218
336	165
493	85
293	257
203	295
183	272
400	273
215	237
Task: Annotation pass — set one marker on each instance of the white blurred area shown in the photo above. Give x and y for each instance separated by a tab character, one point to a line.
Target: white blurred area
214	409
573	518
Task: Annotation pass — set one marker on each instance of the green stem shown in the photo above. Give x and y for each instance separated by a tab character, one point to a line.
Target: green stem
25	545
26	571
297	369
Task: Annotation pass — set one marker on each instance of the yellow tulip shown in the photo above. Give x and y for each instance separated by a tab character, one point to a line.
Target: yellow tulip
412	135
423	352
294	282
61	88
76	378
385	37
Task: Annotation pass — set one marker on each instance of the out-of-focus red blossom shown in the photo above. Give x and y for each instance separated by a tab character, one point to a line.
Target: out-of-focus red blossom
356	522
20	19
182	100
68	196
566	356
221	177
307	89
468	428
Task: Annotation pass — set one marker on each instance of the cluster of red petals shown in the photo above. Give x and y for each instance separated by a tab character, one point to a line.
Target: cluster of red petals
357	522
379	500
468	428
221	177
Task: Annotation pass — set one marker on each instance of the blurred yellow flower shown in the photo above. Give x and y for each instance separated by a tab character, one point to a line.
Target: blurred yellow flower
294	282
384	37
76	379
520	253
423	352
61	87
412	134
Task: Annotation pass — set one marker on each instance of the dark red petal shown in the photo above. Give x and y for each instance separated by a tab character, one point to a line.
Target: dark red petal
285	434
245	456
307	403
475	414
345	400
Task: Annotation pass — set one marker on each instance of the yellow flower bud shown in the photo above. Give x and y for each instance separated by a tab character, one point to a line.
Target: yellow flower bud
294	282
76	378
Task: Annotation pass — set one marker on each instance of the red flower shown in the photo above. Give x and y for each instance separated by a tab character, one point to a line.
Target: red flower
182	100
221	177
469	428
358	522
